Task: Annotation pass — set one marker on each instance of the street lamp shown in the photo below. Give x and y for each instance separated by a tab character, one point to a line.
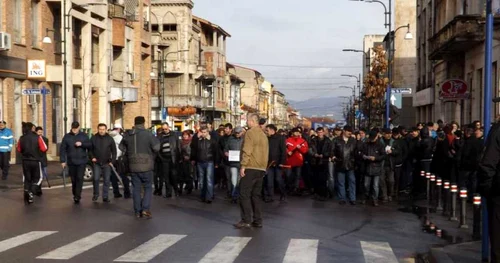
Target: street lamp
358	79
366	54
47	40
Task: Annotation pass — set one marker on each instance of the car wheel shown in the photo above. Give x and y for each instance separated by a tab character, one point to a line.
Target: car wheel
89	174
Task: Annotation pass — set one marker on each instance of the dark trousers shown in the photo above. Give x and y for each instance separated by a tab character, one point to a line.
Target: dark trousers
116	187
386	182
32	171
398	173
4	163
76	173
186	178
142	181
320	179
494	227
158	178
274	174
307	176
250	196
169	173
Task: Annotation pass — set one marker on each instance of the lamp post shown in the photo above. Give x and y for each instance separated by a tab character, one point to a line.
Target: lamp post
358	81
47	40
349	105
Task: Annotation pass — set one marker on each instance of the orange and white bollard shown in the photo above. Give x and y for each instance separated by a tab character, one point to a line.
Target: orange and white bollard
454	191
463	208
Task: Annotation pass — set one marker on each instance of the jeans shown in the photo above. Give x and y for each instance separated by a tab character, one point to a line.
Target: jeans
76	173
229	175
351	184
142	181
206	177
274	174
250	196
234	173
293	178
371	187
387	182
331	179
105	169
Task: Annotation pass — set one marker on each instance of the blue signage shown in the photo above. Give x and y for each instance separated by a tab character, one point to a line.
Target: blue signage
35	91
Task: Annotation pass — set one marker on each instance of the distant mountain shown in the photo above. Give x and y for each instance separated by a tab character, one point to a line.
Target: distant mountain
318	107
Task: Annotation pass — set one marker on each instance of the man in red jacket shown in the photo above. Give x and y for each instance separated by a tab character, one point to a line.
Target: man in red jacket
296	148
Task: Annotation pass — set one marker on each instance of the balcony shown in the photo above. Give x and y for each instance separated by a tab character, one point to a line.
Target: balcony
179	101
117	14
459	35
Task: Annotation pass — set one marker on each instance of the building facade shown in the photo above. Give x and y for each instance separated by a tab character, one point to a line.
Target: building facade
451	52
98	46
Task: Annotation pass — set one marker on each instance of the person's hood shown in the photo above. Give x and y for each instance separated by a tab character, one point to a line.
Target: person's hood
424	133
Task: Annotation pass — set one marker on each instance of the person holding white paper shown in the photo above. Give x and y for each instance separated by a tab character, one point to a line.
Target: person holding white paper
232	151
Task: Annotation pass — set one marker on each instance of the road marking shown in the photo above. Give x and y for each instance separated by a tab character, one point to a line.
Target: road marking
150	249
80	246
23	239
378	252
302	251
226	251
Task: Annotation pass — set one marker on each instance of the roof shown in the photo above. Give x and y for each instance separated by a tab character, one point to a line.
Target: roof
212	25
238	66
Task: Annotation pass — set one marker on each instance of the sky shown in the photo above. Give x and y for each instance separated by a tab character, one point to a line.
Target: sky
308	35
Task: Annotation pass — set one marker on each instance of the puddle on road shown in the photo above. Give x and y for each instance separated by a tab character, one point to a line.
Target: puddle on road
428	226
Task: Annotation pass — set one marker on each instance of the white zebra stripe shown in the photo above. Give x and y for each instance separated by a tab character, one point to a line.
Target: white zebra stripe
226	251
23	239
302	251
73	249
378	252
150	249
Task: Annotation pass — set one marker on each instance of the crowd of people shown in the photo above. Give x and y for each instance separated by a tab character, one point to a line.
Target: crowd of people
352	166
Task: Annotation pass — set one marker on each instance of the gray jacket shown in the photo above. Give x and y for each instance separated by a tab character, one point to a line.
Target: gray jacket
233	144
139	147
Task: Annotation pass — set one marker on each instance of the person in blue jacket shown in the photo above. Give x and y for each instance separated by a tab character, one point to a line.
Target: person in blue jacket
74	154
6	143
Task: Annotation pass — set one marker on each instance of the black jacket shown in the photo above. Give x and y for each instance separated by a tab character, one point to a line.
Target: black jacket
103	149
44	159
172	140
139	147
375	149
425	148
400	157
32	147
321	147
489	166
72	155
470	153
205	150
345	153
277	150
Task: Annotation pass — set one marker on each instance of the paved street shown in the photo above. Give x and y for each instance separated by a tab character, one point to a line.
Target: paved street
186	230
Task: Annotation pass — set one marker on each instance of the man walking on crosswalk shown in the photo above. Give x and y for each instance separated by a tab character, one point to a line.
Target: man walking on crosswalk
140	146
254	157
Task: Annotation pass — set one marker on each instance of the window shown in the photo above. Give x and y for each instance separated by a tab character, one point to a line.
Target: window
155	28
77	44
18	24
35	11
170	27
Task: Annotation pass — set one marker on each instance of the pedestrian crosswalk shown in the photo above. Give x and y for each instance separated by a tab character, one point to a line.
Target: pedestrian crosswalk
227	250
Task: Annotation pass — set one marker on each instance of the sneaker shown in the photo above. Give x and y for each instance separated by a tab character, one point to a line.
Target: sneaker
127	195
209	201
118	195
257	225
268	200
76	200
241	225
95	198
342	202
138	214
147	214
105	200
352	202
389	199
363	202
375	203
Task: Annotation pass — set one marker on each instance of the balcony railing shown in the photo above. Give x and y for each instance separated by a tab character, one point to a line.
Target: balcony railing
116	11
458	36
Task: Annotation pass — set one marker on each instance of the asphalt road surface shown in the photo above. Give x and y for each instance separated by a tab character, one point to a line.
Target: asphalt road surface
301	230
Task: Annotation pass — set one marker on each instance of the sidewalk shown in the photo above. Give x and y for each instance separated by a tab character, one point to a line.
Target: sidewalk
15	179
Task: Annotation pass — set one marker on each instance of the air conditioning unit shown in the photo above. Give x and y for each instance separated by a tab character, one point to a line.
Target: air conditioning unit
32	99
5	41
133	76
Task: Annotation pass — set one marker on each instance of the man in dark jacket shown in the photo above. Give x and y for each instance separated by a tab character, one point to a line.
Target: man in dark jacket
344	155
169	157
205	153
233	145
74	153
469	158
322	150
373	153
228	133
39	132
32	148
398	155
277	158
102	155
424	151
489	183
139	147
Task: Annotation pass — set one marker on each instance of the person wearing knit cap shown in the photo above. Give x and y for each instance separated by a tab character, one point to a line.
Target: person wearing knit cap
140	147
